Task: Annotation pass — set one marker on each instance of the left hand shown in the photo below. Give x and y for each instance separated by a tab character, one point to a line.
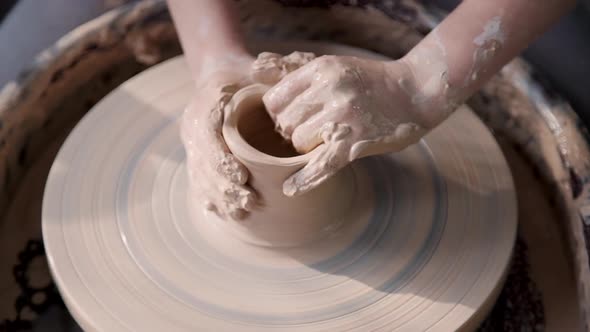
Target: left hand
217	178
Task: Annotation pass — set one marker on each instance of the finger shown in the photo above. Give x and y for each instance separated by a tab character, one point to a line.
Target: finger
214	121
226	212
293	84
361	149
209	146
221	160
296	60
307	136
269	68
324	165
318	170
238	197
299	111
228	166
233	201
404	135
266	69
215	174
225	163
226	191
227	199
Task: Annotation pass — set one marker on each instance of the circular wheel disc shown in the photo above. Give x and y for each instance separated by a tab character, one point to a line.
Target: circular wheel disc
126	253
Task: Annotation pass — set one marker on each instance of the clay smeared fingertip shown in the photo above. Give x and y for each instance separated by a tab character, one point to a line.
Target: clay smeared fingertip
232	169
241	175
290	189
297	185
271	103
357	149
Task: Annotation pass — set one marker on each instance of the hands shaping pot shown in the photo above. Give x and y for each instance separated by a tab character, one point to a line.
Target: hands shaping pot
355	107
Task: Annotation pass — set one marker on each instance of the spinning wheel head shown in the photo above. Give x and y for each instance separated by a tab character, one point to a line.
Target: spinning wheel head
422	238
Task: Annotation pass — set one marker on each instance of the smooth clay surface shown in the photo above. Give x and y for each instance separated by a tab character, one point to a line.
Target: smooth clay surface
422	244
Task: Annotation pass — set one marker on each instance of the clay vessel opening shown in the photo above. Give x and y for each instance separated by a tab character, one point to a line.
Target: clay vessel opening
258	130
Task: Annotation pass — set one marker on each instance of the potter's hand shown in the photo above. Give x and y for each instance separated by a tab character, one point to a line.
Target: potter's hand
354	106
216	177
359	107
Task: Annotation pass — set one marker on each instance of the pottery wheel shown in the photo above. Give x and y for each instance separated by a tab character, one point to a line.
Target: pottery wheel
430	254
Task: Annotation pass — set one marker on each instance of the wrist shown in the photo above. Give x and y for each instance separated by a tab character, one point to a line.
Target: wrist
426	83
217	69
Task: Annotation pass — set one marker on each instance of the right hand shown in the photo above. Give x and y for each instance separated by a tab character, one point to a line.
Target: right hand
356	107
217	178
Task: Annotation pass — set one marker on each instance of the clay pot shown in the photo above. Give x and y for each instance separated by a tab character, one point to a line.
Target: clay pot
279	220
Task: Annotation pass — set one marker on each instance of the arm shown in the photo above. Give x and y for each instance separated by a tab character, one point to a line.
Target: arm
209	35
219	63
473	43
359	107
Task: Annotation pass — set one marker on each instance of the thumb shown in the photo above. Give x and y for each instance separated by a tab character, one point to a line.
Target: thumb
333	157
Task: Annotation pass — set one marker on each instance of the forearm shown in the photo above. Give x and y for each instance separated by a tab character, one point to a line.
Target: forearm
475	41
209	33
